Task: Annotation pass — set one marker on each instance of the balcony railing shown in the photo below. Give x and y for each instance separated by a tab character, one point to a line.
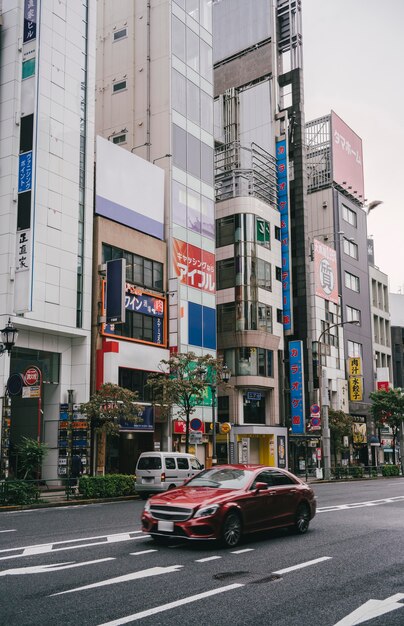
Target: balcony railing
245	171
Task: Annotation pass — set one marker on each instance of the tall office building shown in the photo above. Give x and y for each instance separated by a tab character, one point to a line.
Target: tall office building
46	164
154	98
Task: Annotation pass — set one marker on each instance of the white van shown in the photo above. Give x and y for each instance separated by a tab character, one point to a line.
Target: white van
159	471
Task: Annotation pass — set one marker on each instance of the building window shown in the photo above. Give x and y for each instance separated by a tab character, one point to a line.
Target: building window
263	233
178	38
119	86
135	380
353	315
354	349
119	139
120	34
223	408
254	410
180	147
352	282
350	248
264	317
263	275
225	273
277	233
278	273
225	231
226	316
279	316
139	271
349	215
330	337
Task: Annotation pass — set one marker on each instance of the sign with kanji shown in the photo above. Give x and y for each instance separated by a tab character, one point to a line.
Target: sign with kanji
296	386
356	388
283	206
325	271
194	267
355	366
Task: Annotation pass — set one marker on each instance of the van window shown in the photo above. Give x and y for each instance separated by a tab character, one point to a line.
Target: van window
195	464
170	463
149	463
182	462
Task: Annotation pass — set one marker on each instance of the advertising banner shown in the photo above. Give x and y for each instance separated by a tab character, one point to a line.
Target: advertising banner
30	9
296	386
355	366
325	271
356	388
347	160
281	451
283	206
194	267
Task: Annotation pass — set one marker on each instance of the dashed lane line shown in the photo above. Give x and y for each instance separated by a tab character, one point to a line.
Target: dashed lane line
359	505
208	558
286	570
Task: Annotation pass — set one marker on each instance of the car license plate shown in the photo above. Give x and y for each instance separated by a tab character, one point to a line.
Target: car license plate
147	480
164	526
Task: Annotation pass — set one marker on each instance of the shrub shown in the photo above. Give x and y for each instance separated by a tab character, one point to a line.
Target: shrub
390	470
357	472
341	472
18	492
109	486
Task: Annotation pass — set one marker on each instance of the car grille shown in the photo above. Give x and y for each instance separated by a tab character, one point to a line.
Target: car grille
173	513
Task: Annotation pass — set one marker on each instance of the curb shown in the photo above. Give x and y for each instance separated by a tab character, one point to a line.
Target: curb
64	503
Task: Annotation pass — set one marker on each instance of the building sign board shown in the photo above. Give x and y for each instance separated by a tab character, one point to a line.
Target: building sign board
194	267
283	206
325	271
296	375
347	160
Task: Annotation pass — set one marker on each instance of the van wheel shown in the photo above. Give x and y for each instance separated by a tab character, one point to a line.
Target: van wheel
232	530
171	487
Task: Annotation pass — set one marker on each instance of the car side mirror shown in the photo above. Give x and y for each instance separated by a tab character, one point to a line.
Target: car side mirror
260	486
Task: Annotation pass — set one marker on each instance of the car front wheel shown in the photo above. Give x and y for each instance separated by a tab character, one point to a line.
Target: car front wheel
302	519
232	530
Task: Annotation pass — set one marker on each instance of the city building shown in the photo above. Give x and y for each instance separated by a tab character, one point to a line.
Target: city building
337	219
47	71
154	98
397	337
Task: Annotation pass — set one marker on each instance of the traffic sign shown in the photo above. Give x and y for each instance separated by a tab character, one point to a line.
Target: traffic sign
314	410
315	423
195	438
225	428
31	376
196	424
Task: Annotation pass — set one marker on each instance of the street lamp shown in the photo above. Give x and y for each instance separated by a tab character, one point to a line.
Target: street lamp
224	376
9	336
324	403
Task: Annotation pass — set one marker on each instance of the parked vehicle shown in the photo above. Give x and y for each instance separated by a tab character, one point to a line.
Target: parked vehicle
228	501
159	471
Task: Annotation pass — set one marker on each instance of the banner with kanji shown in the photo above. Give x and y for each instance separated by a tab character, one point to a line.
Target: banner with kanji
296	375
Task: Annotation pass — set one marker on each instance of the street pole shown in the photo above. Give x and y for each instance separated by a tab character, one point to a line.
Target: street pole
214	458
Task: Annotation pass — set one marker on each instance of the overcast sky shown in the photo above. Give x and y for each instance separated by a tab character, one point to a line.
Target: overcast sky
353	60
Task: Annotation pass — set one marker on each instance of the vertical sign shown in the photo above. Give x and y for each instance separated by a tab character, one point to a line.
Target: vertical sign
30	9
296	386
115	291
325	271
281	451
283	206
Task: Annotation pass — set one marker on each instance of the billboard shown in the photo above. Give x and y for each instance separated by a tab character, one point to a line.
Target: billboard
129	190
325	271
296	386
347	160
194	267
283	206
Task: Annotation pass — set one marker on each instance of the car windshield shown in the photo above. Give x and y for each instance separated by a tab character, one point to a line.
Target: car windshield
221	478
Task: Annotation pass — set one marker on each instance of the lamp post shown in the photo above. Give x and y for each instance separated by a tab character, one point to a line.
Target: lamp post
9	336
224	376
324	403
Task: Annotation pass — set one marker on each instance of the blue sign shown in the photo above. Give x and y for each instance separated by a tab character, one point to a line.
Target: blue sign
196	424
25	172
30	9
148	305
296	386
146	421
254	395
283	206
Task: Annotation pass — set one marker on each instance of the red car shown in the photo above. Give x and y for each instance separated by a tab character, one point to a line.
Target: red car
228	501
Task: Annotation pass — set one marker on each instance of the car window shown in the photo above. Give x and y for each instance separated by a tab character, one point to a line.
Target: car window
281	479
222	478
170	463
149	463
182	462
195	464
263	477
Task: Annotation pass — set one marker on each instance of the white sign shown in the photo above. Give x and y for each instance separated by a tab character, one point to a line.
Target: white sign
195	438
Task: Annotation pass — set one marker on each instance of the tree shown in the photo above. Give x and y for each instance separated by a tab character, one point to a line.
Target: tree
31	453
388	409
109	405
182	382
340	426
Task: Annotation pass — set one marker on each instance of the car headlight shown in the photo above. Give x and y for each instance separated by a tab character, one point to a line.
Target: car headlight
205	511
147	507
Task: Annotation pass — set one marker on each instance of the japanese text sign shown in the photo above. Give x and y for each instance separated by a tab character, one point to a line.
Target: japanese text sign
296	386
356	388
355	366
347	161
325	271
194	267
283	206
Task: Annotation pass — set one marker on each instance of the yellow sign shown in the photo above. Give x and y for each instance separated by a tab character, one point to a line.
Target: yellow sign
356	389
355	366
225	428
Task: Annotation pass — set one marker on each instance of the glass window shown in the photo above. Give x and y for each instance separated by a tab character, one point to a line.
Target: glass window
277	233
192	8
208	218
181	3
279	316
254	410
263	233
179	207
349	215
194	210
263	477
179	147
226	317
182	462
270	363
206	14
120	34
225	273
192	50
193	102
279	479
263	275
119	86
179	92
207	112
149	463
278	273
354	349
265	317
350	248
225	231
206	163
195	464
352	282
157	275
147	272
137	269
178	38
261	362
352	314
206	60
193	155
170	463
128	256
119	139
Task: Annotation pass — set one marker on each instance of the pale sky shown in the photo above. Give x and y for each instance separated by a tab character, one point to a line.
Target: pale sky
353	64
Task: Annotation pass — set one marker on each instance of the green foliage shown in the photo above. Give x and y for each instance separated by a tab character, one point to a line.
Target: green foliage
31	453
357	472
388	410
341	472
390	470
18	492
182	382
109	405
109	486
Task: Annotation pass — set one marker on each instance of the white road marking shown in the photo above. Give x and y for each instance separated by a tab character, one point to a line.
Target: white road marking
372	609
13	530
171	605
301	565
142	552
146	573
43	569
358	505
46	547
208	558
242	551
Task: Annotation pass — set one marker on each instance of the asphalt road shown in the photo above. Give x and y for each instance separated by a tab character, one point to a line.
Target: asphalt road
92	565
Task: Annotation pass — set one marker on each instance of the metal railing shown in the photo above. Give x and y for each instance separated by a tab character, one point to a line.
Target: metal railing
21	492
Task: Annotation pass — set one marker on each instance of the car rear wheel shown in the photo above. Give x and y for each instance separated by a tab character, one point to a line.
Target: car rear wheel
232	530
302	519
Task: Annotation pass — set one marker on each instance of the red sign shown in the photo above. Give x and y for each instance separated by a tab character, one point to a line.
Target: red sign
180	427
194	267
31	376
385	385
318	454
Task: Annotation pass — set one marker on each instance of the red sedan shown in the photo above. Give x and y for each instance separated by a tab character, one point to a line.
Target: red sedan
228	501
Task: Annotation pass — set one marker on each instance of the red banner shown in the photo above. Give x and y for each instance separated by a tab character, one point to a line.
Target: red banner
194	267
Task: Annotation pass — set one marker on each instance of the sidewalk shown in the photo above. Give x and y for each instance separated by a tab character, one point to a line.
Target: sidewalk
54	499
